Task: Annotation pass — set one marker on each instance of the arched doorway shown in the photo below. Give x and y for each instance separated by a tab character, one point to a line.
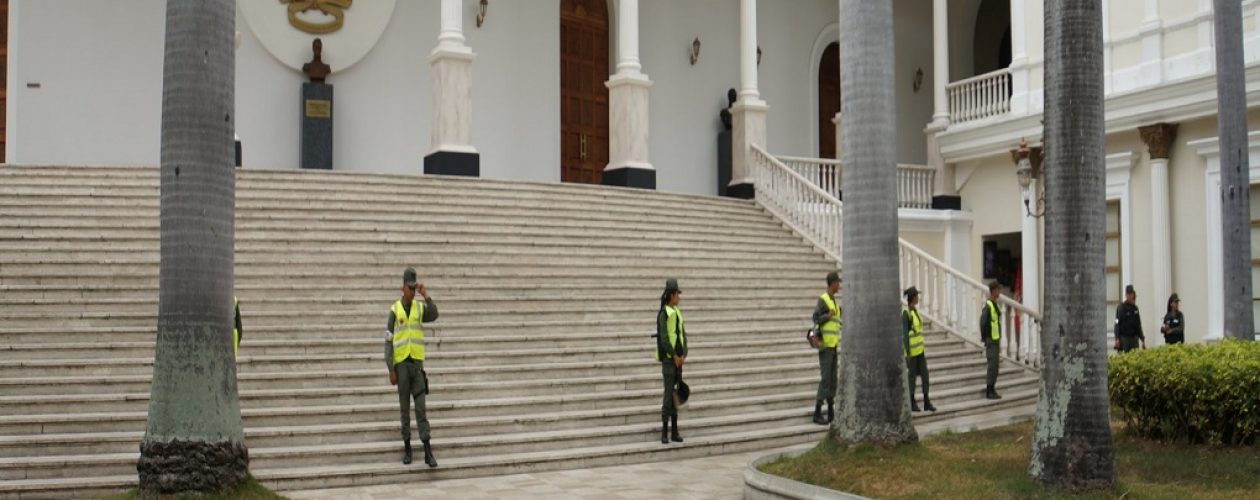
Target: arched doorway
991	41
583	96
828	99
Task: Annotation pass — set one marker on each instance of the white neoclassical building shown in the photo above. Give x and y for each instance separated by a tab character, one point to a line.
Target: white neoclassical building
629	92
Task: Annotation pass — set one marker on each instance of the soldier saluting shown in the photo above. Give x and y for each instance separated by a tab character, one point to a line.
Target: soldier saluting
404	356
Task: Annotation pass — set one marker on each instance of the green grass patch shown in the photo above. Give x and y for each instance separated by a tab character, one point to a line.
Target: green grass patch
250	490
994	464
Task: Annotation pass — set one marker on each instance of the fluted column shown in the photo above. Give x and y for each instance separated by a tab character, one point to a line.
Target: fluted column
1159	139
748	115
451	65
628	163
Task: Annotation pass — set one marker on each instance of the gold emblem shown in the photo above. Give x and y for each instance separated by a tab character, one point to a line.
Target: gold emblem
334	8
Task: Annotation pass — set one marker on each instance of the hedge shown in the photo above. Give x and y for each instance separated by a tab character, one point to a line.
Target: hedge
1194	393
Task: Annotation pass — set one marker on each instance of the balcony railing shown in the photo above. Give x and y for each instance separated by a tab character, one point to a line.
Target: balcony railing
914	182
980	96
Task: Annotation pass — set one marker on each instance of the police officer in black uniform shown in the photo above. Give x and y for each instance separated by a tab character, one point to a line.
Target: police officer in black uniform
1128	323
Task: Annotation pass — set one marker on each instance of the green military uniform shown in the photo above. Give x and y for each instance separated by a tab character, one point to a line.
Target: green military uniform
829	328
671	339
991	333
1129	326
404	356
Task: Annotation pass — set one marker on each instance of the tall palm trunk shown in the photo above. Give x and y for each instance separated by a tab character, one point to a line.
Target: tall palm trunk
873	403
1231	99
1072	447
194	440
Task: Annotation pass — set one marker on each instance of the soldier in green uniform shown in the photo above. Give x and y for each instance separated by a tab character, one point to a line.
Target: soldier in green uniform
916	358
404	356
1129	323
671	351
991	334
827	316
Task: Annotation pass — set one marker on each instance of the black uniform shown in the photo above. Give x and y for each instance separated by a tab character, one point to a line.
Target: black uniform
1128	327
1176	323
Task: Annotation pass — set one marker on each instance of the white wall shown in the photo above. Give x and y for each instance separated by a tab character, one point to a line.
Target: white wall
913	43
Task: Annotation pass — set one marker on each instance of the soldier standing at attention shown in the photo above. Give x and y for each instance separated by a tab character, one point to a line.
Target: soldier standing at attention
828	317
237	331
916	359
404	356
991	333
1128	323
671	351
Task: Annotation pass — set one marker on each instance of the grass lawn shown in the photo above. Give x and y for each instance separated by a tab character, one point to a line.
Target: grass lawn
251	490
994	464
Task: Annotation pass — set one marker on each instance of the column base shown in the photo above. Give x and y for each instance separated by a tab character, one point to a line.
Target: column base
453	163
643	178
743	190
947	202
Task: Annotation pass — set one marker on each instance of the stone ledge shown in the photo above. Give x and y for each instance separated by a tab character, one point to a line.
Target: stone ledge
761	486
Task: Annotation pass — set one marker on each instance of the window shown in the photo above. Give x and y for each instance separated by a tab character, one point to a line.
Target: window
1115	287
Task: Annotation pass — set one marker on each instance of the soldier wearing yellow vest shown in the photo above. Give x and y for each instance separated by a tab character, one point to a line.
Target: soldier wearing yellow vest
671	351
404	356
828	318
916	357
991	334
237	331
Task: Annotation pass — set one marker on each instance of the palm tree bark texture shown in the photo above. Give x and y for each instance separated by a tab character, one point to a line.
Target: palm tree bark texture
194	441
872	386
1231	99
1072	447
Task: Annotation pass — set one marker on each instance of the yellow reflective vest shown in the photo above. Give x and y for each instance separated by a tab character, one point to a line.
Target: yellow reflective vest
408	335
675	332
915	334
830	329
995	326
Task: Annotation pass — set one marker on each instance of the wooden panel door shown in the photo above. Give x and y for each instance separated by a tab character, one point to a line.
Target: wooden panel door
4	78
583	96
828	100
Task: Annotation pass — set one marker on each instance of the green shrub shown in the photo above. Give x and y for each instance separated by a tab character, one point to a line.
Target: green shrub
1195	393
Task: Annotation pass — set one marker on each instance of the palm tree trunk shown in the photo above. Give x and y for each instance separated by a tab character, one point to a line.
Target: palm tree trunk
1072	447
873	403
194	440
1231	118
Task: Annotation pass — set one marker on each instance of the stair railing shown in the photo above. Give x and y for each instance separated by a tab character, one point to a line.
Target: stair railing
950	299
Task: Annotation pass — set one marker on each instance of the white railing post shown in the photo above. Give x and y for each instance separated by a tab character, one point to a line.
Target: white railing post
981	96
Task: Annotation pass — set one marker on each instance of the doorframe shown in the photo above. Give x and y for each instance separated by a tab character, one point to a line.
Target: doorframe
611	14
829	34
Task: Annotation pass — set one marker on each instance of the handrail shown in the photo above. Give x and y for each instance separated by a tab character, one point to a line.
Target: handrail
803	159
977	78
967	279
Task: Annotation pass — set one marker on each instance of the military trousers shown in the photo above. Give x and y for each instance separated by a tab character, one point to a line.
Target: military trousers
1128	343
412	385
669	375
917	366
827	363
992	354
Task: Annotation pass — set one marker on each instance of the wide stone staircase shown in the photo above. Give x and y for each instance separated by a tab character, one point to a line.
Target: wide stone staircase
541	359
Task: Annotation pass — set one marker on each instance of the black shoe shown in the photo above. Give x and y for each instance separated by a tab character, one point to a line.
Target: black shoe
673	433
664	430
818	418
407	453
991	394
927	405
831	411
428	455
914	407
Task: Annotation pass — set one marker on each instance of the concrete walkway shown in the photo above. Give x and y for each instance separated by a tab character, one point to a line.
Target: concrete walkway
715	477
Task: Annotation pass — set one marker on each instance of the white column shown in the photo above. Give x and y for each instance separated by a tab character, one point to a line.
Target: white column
1161	240
749	114
1030	253
628	107
748	92
940	60
451	63
1020	88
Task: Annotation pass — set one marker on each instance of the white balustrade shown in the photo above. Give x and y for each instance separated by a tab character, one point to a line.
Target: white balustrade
980	96
914	182
950	299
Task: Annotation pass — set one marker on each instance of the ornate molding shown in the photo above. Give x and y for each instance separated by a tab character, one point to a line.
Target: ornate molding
1159	139
334	8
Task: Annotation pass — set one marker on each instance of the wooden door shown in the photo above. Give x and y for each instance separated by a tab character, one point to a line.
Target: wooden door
4	77
583	96
828	100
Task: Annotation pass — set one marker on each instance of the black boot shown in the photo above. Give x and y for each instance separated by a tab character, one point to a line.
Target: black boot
673	433
914	406
664	429
991	393
927	404
818	418
407	452
428	454
831	410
